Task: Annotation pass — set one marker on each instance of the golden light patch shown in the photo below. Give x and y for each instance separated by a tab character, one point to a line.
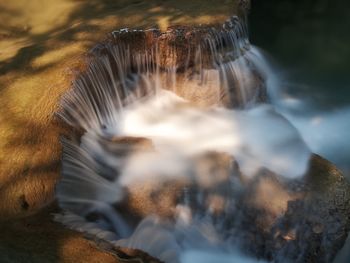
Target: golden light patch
57	55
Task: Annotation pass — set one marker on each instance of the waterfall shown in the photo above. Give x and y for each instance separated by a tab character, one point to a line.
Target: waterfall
169	140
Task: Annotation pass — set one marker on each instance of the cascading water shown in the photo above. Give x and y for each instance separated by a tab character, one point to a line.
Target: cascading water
171	144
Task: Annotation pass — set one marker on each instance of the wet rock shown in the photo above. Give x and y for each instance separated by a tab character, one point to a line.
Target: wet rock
307	226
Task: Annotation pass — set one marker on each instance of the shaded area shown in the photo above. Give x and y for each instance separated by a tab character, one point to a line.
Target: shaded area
37	240
310	39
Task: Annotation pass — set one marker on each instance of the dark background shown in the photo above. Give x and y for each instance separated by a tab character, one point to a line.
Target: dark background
310	39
